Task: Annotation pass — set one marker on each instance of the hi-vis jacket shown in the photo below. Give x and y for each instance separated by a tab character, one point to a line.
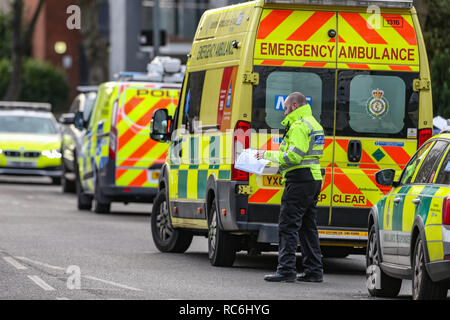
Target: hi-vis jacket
303	143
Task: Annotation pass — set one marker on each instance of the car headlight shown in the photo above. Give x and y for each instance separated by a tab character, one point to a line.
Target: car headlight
51	154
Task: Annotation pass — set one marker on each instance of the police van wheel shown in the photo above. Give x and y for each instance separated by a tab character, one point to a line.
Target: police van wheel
165	237
101	204
388	286
423	288
84	202
221	245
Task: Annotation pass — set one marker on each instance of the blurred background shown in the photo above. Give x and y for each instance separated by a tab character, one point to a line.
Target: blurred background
50	47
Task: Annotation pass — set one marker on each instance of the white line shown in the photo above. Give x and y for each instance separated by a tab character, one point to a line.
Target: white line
40	263
86	277
62	298
41	283
14	263
112	283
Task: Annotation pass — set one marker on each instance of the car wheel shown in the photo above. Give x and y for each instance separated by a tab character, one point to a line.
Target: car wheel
84	201
387	286
101	202
423	288
221	245
165	237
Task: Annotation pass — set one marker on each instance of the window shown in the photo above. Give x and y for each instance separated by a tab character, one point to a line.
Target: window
430	162
410	168
443	176
193	100
376	104
27	125
276	83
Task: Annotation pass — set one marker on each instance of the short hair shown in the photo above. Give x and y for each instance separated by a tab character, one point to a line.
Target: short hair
298	97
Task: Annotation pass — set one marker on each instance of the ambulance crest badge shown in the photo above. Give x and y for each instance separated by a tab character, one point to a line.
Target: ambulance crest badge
377	106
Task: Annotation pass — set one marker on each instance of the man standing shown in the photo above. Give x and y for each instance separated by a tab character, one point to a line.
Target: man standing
298	158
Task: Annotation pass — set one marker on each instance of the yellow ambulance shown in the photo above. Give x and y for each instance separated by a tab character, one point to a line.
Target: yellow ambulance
118	162
362	66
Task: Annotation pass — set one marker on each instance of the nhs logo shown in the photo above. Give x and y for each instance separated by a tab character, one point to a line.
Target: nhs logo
280	99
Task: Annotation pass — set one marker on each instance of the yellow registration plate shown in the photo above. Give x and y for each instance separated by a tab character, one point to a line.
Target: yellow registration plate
272	181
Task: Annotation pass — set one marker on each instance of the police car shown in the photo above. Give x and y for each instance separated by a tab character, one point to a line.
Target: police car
30	142
409	228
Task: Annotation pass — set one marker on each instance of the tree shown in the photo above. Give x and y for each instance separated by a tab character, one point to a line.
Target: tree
20	44
96	46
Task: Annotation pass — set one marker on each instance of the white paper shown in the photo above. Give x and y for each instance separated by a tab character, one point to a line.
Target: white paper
247	162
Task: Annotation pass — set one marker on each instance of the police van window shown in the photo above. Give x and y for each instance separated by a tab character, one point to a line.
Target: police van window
430	162
376	104
411	167
443	177
192	100
276	83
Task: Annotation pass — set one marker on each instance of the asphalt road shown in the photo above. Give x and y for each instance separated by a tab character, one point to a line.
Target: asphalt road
50	250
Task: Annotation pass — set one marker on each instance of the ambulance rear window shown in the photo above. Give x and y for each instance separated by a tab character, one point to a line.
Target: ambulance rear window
276	83
376	104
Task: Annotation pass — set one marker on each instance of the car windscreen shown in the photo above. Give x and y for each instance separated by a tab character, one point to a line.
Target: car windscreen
27	124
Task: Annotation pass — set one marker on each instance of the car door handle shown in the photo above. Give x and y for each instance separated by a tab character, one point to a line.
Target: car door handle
416	201
397	200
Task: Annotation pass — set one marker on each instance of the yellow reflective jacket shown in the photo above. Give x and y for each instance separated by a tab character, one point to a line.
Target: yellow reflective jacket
303	143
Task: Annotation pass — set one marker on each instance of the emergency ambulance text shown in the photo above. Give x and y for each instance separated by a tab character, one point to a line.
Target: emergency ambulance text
345	52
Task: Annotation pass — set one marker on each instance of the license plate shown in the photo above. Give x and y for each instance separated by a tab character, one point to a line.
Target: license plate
19	164
272	181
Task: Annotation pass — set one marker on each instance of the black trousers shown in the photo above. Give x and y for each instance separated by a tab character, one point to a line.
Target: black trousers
297	221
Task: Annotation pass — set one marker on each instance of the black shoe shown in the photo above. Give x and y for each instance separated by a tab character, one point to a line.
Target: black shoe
280	278
308	278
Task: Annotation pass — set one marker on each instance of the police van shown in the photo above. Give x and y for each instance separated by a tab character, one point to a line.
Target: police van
117	162
362	66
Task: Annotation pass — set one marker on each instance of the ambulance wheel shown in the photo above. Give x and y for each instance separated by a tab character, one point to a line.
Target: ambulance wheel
165	237
101	203
84	201
221	245
387	286
423	288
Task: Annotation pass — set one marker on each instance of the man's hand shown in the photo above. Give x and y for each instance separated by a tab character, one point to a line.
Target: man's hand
260	154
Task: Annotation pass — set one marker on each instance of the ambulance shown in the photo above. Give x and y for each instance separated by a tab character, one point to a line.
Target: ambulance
362	66
118	162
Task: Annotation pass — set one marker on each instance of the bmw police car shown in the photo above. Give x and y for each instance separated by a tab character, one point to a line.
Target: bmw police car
409	228
30	142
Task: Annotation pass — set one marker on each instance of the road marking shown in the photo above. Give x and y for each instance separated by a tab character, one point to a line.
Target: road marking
40	263
83	276
112	283
41	283
15	263
62	298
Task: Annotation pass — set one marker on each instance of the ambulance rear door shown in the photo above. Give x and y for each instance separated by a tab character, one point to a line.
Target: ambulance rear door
376	107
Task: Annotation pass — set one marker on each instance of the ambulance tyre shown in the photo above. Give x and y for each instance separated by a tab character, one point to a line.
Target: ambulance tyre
423	288
165	237
388	286
221	245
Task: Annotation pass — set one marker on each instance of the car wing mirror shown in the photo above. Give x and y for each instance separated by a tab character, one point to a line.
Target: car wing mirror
160	125
385	177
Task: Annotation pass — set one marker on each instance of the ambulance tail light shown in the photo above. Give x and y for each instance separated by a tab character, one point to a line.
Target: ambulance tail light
241	141
446	211
424	135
